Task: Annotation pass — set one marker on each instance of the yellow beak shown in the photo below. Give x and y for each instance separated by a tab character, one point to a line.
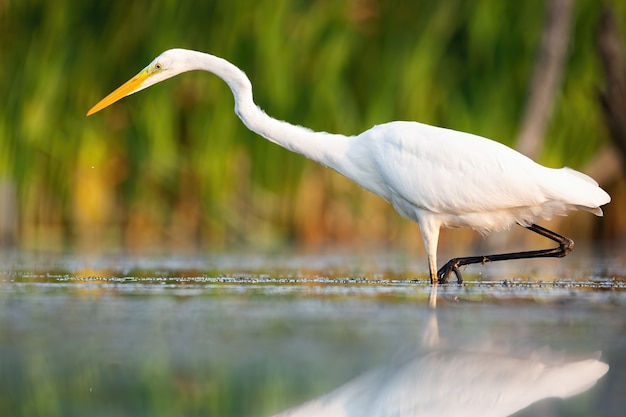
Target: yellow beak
129	87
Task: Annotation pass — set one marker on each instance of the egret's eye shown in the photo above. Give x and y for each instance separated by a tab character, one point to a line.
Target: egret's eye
158	66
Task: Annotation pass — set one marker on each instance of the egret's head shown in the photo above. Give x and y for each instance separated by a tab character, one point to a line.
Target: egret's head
166	65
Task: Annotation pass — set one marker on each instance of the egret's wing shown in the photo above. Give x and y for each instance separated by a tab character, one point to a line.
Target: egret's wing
445	171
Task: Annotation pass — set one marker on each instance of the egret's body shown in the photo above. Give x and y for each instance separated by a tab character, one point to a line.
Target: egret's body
436	177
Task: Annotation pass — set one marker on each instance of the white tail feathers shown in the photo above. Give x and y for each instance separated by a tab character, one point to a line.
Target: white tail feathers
577	190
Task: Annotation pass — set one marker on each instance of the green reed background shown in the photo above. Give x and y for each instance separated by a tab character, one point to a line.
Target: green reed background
174	164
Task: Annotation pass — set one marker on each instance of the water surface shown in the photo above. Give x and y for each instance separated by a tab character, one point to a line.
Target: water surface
257	334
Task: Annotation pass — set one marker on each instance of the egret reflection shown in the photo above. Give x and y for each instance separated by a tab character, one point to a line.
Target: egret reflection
442	381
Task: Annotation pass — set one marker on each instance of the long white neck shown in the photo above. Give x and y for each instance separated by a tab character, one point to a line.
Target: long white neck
325	148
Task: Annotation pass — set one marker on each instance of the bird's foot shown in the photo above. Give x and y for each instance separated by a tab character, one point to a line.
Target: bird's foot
451	266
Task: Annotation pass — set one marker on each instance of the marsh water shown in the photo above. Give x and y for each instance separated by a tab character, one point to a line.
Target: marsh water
344	333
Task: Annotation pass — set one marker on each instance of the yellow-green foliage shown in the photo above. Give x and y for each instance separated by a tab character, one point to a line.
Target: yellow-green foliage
175	164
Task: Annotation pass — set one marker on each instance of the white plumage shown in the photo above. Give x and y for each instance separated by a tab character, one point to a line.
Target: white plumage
463	180
434	176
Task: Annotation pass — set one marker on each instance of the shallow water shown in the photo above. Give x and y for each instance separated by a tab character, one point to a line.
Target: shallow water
254	335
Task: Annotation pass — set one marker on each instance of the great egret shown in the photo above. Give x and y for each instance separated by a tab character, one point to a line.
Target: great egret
434	176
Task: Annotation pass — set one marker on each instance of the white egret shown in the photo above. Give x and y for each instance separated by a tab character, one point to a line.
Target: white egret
434	176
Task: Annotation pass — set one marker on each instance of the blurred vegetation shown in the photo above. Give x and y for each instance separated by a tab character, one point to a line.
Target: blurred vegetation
175	165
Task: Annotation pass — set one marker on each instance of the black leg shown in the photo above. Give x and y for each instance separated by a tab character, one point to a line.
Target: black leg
565	246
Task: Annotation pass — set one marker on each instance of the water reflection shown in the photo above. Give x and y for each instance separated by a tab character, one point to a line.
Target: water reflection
444	381
196	337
